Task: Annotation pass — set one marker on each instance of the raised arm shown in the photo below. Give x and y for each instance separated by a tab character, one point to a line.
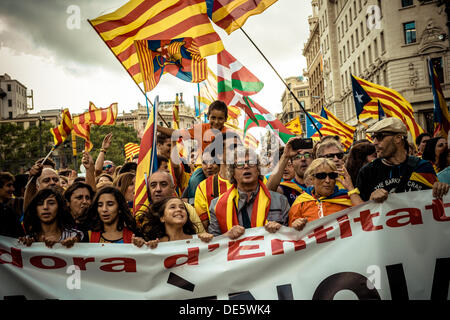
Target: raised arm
275	178
101	156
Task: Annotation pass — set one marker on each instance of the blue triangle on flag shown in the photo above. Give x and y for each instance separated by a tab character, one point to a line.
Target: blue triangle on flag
310	129
360	95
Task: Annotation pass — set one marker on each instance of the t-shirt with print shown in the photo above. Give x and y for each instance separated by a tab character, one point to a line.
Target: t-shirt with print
377	175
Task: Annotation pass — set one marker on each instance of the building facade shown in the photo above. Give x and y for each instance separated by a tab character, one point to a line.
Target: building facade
13	98
290	108
313	54
384	42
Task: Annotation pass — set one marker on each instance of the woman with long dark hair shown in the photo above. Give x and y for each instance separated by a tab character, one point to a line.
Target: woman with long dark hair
108	219
360	154
436	151
47	219
168	220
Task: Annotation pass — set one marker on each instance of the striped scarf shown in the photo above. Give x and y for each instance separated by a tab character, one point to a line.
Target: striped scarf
226	208
339	196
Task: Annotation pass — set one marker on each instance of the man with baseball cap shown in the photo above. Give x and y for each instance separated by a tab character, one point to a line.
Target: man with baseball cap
394	171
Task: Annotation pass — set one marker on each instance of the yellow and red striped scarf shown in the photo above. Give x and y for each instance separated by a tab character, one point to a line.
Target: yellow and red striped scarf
227	203
339	196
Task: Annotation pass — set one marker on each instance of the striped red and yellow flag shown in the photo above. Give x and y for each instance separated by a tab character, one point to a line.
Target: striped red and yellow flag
394	105
147	163
329	129
131	149
155	20
84	131
232	14
98	116
347	131
62	131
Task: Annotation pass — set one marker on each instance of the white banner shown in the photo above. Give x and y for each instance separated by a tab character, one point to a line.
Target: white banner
398	249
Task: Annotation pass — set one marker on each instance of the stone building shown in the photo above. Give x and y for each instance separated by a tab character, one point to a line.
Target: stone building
13	97
385	42
290	108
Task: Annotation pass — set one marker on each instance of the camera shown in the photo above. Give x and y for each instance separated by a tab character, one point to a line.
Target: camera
302	143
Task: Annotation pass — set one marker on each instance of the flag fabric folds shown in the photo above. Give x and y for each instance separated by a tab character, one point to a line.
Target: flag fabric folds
84	131
441	114
381	114
178	57
295	126
207	93
176	113
131	149
155	20
266	120
62	131
234	82
148	162
346	131
360	96
232	14
327	128
394	105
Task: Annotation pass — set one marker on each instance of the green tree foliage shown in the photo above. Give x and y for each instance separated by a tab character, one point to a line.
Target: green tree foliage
20	148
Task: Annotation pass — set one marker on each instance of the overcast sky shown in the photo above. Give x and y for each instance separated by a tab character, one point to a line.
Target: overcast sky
68	67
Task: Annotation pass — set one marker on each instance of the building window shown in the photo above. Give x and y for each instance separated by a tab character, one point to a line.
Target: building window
362	31
10	115
369	51
375	47
353	44
357	37
410	32
437	63
407	3
383	49
9	87
9	103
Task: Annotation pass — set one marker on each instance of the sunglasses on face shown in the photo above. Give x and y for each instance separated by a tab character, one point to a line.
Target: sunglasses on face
305	155
324	175
381	135
241	165
107	166
339	155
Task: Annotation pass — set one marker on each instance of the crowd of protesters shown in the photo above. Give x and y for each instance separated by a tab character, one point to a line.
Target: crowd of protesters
222	191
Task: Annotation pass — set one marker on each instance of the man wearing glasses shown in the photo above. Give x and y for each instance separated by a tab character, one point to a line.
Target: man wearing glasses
298	151
248	203
394	171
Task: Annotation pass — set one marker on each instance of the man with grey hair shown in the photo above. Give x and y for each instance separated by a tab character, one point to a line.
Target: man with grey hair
41	177
394	171
256	205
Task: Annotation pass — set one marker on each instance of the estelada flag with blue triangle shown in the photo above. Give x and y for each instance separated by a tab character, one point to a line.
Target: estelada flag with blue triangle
326	127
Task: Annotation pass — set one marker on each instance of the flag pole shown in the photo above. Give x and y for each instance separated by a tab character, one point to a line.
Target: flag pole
142	91
282	80
45	159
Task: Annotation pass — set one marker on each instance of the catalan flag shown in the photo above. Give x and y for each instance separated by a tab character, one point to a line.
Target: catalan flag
83	131
327	128
179	57
232	14
441	114
148	162
155	20
207	94
394	105
131	149
62	131
295	126
176	113
346	131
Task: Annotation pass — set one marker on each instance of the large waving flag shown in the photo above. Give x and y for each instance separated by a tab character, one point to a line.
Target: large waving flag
178	57
441	114
346	131
155	20
360	96
84	131
234	82
295	126
394	105
266	120
327	128
232	14
62	131
207	94
148	162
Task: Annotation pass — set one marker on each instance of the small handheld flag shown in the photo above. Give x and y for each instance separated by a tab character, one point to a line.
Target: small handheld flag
62	131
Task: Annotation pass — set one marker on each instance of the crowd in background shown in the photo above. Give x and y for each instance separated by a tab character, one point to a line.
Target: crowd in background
214	193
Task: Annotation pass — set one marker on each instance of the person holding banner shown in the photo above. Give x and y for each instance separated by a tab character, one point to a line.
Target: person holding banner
47	219
169	221
248	203
109	218
323	197
394	171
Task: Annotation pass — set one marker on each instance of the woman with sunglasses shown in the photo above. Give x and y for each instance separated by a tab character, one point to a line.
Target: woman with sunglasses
323	197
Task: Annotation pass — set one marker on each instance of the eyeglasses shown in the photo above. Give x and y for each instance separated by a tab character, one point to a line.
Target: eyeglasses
381	135
323	175
339	155
107	166
241	165
305	155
